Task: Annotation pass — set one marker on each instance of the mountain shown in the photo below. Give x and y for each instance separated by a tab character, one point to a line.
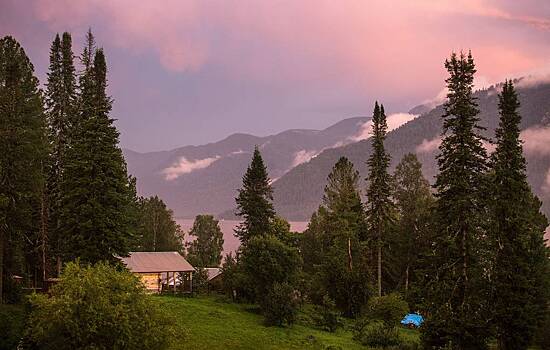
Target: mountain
298	193
205	179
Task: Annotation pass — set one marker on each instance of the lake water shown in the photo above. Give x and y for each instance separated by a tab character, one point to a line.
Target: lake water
231	243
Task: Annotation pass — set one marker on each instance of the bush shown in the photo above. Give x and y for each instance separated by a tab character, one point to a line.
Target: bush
200	280
329	317
96	307
12	322
378	326
377	334
280	305
389	309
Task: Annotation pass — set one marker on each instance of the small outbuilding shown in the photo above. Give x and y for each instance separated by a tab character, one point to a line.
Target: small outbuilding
161	271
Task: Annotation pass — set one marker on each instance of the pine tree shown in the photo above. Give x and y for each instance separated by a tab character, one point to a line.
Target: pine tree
22	156
206	249
343	272
380	209
414	202
157	230
520	252
254	202
97	192
456	287
60	113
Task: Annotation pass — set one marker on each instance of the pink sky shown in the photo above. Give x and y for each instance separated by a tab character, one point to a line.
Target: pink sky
194	71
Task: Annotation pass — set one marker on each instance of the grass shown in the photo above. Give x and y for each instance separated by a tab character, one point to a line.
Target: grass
210	323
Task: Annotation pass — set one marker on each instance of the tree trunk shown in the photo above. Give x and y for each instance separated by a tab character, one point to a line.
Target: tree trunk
350	261
379	269
407	278
43	231
1	266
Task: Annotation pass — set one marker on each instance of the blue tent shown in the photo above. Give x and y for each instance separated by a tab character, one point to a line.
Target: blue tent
412	319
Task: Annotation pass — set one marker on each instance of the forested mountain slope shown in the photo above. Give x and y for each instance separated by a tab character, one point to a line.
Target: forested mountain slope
205	179
298	193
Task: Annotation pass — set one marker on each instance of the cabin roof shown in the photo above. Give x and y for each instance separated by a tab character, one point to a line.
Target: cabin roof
145	262
213	272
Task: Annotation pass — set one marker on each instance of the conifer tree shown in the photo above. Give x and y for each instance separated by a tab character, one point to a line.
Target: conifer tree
414	202
206	249
60	115
343	272
456	286
254	201
22	156
518	276
97	192
380	209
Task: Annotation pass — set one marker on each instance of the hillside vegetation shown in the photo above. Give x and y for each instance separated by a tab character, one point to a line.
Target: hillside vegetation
210	323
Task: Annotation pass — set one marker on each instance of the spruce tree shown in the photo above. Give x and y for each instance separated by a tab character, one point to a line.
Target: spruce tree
414	202
97	192
343	272
456	285
518	276
22	157
60	113
380	208
206	249
254	201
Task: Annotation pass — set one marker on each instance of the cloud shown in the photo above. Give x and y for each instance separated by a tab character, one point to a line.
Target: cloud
303	156
307	41
184	166
428	146
536	140
393	120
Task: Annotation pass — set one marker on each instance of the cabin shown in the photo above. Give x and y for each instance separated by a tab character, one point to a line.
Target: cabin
214	280
161	271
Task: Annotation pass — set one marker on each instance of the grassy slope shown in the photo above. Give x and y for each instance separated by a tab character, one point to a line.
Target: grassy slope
211	324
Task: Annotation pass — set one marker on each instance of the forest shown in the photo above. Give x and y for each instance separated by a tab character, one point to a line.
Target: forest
468	253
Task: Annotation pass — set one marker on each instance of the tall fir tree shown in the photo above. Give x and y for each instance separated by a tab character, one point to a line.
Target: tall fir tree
97	200
206	248
518	276
456	287
61	112
414	202
380	208
255	201
23	145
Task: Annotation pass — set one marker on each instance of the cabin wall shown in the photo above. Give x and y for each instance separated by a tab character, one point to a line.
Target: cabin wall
150	280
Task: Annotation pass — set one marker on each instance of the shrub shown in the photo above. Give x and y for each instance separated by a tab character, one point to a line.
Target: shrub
377	334
12	322
378	327
280	305
200	280
389	309
329	317
96	307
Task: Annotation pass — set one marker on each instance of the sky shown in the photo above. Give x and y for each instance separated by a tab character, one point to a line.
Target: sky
194	71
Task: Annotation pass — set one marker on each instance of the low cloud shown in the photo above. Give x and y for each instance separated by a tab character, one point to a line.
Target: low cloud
394	121
536	140
303	156
185	166
428	146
